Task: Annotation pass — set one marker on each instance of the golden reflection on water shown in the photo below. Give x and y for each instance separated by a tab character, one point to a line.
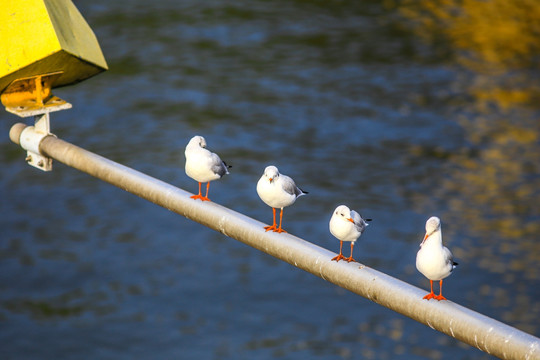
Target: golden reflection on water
489	36
492	185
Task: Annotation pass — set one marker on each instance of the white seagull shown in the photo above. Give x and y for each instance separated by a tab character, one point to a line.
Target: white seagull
203	165
346	225
277	191
434	260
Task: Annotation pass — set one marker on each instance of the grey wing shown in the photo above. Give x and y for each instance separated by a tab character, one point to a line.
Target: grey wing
359	223
218	166
290	187
449	258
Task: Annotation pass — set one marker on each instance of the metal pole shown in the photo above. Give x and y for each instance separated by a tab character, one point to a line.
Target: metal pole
475	329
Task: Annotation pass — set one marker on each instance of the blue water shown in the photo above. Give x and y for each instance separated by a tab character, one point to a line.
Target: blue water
343	98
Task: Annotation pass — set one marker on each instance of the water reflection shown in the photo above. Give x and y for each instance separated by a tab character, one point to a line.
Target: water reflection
491	183
481	35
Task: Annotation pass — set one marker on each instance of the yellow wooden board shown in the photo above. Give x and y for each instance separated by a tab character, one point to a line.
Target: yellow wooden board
46	36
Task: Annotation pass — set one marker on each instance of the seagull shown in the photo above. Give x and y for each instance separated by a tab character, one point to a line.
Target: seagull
203	165
346	225
434	260
277	191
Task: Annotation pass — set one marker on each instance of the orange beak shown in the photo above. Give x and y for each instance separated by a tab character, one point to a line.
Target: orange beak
423	241
270	179
351	220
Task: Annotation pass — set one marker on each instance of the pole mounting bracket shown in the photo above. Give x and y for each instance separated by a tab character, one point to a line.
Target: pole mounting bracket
32	96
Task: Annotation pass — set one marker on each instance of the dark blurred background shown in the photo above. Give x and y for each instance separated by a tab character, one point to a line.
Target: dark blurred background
399	109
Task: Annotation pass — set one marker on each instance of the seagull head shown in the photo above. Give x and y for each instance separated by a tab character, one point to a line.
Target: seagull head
271	173
344	213
198	141
433	224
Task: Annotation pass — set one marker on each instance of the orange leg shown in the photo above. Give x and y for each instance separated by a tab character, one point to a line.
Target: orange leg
340	256
440	297
350	258
199	196
431	295
280	230
206	198
274	226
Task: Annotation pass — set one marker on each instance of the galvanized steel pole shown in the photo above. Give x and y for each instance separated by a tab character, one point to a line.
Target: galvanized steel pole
475	329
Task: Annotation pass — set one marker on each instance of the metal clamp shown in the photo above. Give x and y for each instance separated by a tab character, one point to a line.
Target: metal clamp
31	138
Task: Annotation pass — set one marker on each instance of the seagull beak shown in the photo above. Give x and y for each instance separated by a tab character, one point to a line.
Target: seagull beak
351	220
423	241
270	179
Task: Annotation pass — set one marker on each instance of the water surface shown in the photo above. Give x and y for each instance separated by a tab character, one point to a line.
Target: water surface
355	102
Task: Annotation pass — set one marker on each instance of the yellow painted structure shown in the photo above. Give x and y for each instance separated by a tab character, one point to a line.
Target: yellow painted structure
40	37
